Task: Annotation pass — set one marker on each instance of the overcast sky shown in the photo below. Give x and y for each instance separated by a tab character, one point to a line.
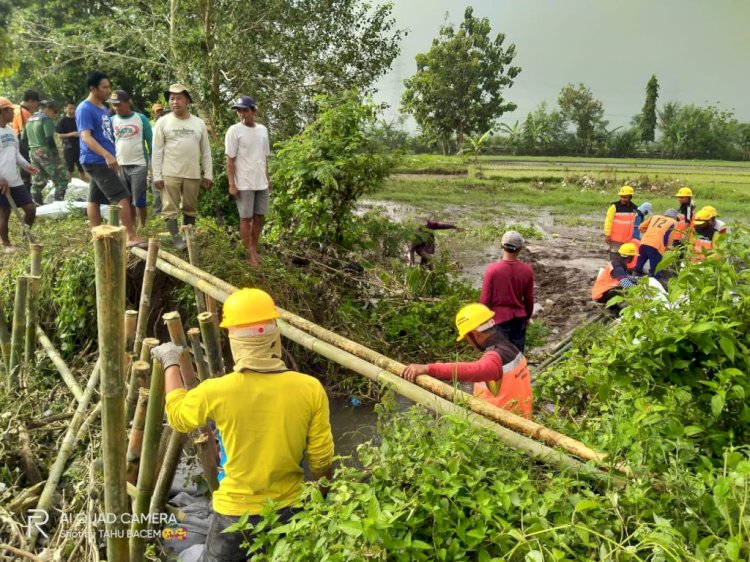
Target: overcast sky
699	50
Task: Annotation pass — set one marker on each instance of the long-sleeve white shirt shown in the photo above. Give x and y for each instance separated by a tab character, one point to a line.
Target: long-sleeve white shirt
10	157
181	148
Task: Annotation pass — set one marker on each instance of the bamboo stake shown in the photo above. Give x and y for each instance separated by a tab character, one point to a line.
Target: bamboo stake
189	231
62	368
209	454
36	260
171	460
220	290
4	341
212	343
32	316
131	319
149	460
138	375
194	335
18	331
109	255
146	346
113	215
144	307
212	307
66	449
135	441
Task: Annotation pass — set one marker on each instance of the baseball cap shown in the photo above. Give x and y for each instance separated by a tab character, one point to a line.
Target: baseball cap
5	103
178	89
512	239
646	208
245	102
119	96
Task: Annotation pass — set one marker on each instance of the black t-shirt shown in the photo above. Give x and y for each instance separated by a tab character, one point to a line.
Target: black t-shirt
67	125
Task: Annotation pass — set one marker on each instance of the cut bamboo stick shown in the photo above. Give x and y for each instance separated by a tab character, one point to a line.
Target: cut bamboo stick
192	248
149	460
170	461
135	440
109	255
59	363
113	216
18	331
138	375
214	309
144	307
36	260
212	343
131	319
220	290
4	341
66	449
28	460
32	317
194	335
146	346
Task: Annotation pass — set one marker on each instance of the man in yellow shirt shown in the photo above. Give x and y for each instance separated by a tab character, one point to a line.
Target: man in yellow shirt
268	417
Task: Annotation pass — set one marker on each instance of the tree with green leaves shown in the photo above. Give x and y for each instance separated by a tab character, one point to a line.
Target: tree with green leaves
579	106
319	175
647	120
459	84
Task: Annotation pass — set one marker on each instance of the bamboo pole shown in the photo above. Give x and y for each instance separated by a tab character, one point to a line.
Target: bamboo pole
18	331
131	319
194	335
32	317
192	248
36	259
213	308
171	460
208	452
212	343
4	341
62	368
109	255
149	460
138	375
146	346
93	414
179	515
144	307
135	440
220	290
113	215
421	396
66	449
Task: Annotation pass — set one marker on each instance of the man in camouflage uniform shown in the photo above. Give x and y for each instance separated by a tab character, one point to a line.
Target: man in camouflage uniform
40	134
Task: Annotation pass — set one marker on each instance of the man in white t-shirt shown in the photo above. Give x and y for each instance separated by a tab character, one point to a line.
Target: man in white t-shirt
132	146
247	150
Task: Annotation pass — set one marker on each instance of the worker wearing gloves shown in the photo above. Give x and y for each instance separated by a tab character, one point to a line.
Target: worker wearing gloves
620	221
269	417
616	276
501	376
658	236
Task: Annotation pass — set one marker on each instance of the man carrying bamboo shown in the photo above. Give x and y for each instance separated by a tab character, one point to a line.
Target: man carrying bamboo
268	415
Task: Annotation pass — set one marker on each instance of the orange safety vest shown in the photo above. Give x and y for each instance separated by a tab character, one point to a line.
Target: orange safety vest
657	227
702	246
513	392
623	223
683	223
604	283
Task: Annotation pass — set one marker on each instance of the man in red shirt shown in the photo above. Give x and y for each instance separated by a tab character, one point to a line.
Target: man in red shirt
501	376
508	290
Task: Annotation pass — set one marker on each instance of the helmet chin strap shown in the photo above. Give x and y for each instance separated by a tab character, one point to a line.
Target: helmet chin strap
473	340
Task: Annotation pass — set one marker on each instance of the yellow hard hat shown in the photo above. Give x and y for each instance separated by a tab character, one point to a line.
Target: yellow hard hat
684	192
703	216
628	249
626	190
711	210
248	306
471	317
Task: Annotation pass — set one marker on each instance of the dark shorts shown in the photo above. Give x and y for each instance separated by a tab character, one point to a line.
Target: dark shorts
105	186
72	154
227	547
21	197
